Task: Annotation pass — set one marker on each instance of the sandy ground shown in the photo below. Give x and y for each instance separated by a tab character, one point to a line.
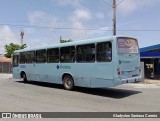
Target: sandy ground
17	96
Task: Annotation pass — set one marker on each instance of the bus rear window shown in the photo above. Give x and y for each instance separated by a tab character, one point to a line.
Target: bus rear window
127	45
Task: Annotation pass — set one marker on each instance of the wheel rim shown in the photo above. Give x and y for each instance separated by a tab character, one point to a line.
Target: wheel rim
68	83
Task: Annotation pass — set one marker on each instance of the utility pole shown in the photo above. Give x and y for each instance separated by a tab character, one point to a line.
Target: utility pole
114	17
22	34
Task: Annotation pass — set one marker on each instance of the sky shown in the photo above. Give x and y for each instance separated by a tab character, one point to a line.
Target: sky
44	21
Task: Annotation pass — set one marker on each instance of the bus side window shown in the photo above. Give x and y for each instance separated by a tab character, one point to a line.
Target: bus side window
85	53
104	52
67	54
23	57
53	55
41	56
30	57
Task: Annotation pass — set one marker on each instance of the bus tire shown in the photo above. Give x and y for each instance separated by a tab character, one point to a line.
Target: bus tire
68	82
24	77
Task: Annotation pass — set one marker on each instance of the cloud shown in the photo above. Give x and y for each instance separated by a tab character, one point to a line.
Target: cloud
33	42
73	3
82	31
130	6
34	16
81	14
7	36
41	18
99	15
77	18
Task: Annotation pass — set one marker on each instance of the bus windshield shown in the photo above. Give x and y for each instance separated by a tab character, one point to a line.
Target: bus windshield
127	45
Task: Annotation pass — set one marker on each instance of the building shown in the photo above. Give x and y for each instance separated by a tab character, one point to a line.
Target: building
151	57
5	65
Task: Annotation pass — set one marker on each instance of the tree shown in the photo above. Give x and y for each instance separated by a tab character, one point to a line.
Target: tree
10	48
64	41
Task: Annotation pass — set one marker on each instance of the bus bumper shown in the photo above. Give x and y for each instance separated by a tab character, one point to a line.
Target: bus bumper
128	80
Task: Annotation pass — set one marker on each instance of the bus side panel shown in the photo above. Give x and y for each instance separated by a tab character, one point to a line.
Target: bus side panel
105	69
16	73
41	72
83	73
81	78
30	71
97	83
105	77
82	81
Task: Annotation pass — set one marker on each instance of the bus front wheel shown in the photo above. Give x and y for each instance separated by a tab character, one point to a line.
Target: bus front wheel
68	82
24	77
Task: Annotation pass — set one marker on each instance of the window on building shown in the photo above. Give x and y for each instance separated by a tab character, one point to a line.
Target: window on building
67	54
104	52
41	56
85	53
30	57
53	55
23	57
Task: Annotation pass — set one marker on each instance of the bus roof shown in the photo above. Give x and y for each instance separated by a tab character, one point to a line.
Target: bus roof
74	43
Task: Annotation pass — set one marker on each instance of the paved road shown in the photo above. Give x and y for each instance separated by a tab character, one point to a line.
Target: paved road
18	96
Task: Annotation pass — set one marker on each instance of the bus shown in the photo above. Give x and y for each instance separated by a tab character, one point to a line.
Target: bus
93	63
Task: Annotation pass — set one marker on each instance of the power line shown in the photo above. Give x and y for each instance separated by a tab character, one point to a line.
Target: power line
69	28
45	27
119	2
112	5
58	21
107	3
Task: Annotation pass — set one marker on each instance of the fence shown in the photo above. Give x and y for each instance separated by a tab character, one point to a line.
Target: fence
5	67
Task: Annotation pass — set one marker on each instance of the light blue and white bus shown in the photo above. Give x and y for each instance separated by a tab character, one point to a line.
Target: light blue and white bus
96	63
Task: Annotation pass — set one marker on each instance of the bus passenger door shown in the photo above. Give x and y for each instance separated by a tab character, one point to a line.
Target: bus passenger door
30	65
31	71
15	68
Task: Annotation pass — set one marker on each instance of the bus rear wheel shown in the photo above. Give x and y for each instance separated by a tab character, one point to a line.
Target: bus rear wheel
24	77
68	82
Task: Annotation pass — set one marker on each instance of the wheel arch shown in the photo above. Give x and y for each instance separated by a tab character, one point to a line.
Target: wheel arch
65	74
